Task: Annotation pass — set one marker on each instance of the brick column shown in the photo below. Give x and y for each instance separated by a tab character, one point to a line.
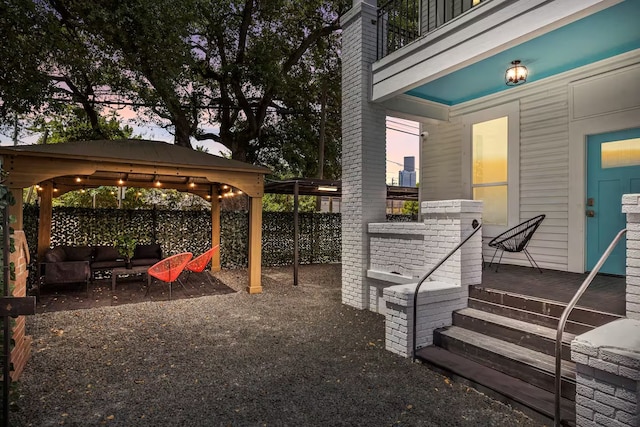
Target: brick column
631	207
448	222
608	375
363	150
22	343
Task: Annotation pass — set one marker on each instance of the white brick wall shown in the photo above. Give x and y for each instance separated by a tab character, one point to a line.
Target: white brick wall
631	207
608	375
421	247
436	302
397	248
363	152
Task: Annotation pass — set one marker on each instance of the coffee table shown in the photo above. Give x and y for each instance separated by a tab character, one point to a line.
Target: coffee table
122	271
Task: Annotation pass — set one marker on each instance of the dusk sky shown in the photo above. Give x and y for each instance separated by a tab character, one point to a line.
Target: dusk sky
402	140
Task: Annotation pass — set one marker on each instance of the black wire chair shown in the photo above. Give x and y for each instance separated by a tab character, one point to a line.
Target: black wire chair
516	239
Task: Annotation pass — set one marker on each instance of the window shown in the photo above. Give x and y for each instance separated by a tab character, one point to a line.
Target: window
489	141
490	169
620	153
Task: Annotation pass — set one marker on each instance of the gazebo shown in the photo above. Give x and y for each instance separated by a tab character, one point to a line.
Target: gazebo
59	168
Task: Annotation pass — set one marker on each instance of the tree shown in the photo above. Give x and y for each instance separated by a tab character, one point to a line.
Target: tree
264	74
50	63
71	124
410	207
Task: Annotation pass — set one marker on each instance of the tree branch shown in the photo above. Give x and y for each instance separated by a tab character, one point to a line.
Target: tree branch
243	30
206	136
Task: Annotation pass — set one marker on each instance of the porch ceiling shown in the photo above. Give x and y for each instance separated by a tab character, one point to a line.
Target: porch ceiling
596	37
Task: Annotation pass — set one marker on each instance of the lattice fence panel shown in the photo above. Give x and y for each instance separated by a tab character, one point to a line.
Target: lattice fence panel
180	231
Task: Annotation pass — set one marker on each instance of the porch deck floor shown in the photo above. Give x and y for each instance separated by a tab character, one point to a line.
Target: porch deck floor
606	293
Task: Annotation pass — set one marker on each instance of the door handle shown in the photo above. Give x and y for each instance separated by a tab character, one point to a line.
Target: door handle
591	213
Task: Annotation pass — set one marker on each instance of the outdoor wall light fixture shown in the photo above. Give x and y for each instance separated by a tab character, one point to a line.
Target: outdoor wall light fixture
78	179
516	74
327	188
121	181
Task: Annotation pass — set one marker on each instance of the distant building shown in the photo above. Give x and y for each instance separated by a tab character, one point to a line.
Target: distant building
407	177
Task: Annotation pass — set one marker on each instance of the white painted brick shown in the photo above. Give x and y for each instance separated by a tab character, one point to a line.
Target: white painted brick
615	402
596	406
628	395
583	347
632	420
584	412
605	420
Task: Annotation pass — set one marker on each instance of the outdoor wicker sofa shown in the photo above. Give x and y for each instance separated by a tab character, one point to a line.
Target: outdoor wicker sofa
79	264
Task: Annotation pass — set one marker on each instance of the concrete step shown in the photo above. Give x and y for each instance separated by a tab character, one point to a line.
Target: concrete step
554	309
531	366
534	401
525	334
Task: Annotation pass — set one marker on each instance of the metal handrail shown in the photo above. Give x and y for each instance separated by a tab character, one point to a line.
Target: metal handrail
477	226
565	316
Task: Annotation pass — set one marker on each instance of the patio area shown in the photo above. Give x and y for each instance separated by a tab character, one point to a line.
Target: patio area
130	289
606	293
290	356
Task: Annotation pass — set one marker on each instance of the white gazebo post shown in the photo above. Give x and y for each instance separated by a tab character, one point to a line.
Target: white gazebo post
363	150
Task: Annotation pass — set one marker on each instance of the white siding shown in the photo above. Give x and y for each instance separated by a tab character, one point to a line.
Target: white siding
440	163
544	175
547	185
544	172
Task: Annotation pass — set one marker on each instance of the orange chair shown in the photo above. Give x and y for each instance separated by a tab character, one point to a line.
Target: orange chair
199	263
170	268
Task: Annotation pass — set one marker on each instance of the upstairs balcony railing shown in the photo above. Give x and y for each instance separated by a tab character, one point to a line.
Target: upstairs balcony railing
402	21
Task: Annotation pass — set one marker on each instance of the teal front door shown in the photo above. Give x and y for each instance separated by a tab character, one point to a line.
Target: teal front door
613	169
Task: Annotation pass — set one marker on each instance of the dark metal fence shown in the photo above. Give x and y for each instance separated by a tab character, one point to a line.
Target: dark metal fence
402	21
398	24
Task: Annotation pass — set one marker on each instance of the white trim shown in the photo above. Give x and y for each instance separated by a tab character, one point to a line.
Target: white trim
578	132
512	111
416	109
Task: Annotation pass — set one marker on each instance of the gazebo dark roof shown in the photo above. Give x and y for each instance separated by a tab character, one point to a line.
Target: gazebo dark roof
134	150
138	162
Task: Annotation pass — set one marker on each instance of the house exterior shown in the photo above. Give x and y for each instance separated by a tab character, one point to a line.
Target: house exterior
498	146
564	143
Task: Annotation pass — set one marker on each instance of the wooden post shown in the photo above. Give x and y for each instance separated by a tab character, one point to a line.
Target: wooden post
44	225
215	228
255	245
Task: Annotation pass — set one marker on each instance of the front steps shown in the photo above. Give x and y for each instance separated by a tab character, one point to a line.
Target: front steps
504	345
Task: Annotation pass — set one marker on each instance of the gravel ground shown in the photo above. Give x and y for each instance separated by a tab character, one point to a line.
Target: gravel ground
291	356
